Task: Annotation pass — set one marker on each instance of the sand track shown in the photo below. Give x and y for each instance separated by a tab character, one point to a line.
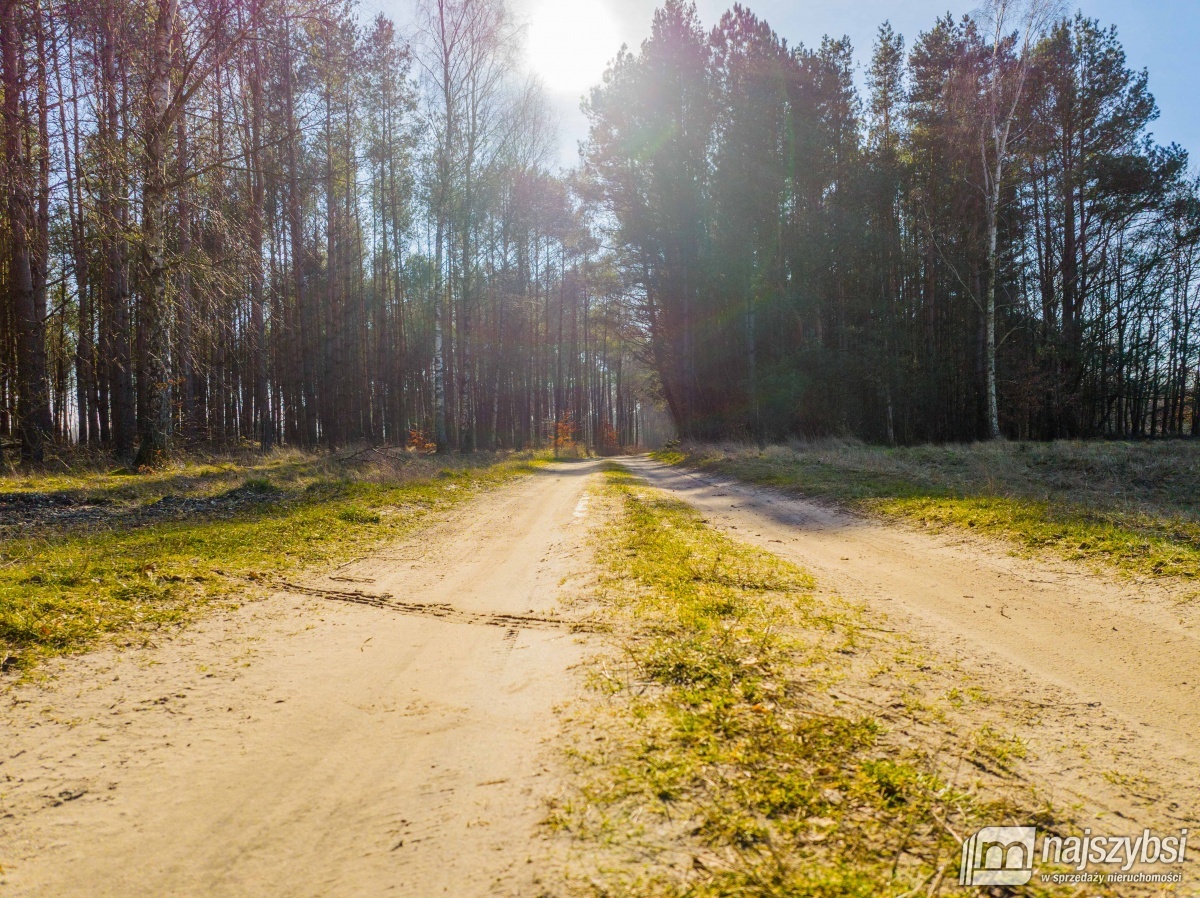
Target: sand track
1115	662
384	729
307	747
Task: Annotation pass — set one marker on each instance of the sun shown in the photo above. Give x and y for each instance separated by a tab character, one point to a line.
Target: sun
571	41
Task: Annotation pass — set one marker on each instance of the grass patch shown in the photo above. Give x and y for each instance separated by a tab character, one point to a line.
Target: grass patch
721	762
1130	506
90	554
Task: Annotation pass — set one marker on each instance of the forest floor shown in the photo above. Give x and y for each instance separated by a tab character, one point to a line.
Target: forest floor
576	681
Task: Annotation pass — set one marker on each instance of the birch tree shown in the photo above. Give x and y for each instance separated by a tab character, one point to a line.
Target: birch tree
1015	27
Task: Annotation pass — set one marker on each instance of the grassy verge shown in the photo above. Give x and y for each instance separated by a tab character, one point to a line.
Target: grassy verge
85	555
1134	507
722	761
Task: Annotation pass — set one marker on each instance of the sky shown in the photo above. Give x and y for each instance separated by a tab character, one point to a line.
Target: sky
1160	35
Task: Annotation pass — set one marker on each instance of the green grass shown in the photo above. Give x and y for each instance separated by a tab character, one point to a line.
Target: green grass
717	764
1132	507
136	565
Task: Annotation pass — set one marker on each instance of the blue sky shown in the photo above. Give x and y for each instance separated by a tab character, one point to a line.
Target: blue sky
1161	35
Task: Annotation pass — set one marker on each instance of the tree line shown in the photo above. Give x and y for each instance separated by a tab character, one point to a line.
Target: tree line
988	243
269	221
266	220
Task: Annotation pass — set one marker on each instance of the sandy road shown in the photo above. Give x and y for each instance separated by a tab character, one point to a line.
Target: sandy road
1104	648
307	747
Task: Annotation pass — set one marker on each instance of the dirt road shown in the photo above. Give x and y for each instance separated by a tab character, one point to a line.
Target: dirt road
1124	657
306	746
383	730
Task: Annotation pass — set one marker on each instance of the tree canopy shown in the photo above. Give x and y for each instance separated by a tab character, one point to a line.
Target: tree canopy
272	221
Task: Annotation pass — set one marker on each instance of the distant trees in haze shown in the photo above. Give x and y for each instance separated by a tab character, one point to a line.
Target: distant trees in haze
989	243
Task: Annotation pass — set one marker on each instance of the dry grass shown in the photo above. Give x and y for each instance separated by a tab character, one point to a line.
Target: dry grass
90	553
1132	506
752	739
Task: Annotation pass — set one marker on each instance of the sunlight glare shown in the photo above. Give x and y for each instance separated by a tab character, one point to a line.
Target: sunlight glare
571	41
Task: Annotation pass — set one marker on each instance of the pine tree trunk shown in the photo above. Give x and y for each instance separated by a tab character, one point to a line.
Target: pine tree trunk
33	401
993	207
154	312
439	359
266	433
115	331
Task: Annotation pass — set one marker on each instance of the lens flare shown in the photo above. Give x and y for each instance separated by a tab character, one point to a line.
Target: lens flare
571	41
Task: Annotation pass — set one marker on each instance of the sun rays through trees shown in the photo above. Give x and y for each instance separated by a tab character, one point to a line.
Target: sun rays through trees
283	222
990	244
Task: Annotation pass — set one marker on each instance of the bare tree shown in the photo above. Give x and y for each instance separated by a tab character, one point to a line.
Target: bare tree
466	50
1004	83
171	82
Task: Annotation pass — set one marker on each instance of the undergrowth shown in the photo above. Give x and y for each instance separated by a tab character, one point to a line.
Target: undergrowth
1132	507
122	554
718	764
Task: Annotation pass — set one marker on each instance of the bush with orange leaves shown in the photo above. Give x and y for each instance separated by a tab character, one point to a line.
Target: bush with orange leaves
421	443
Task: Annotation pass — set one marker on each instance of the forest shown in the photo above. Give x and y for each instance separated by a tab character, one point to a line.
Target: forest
278	222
